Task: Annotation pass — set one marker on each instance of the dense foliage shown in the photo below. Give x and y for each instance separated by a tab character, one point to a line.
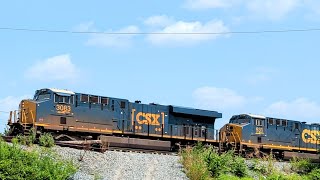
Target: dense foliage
16	163
46	140
203	163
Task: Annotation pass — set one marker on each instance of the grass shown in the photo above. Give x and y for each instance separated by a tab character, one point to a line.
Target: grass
16	164
202	163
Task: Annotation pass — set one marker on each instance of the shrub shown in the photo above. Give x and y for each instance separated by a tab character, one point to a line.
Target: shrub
302	166
239	167
7	131
46	140
258	167
32	136
16	164
314	174
194	164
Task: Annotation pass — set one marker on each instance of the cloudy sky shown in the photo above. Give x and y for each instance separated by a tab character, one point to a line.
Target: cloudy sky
272	74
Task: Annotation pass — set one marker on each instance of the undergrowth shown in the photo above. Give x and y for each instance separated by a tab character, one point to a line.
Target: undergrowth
16	164
46	140
202	163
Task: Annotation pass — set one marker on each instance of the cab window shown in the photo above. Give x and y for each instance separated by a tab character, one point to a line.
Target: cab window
44	95
63	99
259	122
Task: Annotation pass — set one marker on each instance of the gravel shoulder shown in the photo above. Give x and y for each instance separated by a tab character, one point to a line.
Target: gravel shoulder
123	165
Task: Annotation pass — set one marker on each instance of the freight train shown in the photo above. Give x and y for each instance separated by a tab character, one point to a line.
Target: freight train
74	115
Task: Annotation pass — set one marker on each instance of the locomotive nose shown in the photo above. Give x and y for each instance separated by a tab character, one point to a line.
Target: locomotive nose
231	133
27	112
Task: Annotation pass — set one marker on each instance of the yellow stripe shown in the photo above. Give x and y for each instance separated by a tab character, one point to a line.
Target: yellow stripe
39	124
290	148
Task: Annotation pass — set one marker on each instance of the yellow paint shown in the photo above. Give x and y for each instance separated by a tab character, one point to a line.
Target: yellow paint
271	146
147	118
132	116
39	124
63	109
311	136
259	130
28	112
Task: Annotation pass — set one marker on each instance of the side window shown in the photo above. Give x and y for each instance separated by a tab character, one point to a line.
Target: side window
94	99
122	104
284	123
259	122
278	122
296	125
63	99
84	98
271	121
104	100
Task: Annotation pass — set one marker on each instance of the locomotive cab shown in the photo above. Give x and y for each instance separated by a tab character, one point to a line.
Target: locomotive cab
243	128
31	112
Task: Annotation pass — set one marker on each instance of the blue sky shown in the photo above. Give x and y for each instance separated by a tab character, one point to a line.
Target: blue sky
273	74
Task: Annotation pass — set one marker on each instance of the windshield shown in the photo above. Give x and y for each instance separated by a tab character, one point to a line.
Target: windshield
44	95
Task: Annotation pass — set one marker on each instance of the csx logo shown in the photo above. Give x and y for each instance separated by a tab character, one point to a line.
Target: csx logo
147	118
311	136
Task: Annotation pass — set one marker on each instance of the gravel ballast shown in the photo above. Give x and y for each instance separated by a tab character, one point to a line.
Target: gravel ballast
123	165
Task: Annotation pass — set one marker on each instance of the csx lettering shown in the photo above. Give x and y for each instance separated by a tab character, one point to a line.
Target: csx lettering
63	109
148	118
310	136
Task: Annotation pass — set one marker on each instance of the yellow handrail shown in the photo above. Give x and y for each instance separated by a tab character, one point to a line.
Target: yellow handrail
33	120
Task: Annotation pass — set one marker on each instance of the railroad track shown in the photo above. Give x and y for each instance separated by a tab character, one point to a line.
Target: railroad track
95	145
149	151
7	138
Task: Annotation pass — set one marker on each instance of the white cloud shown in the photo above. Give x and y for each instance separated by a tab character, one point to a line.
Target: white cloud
187	27
301	109
218	98
272	9
159	21
53	69
114	40
209	4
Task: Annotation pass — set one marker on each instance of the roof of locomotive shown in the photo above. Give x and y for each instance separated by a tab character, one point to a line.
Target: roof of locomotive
61	91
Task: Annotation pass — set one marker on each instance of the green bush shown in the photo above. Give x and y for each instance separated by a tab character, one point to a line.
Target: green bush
16	164
46	140
192	160
239	167
258	167
302	166
32	136
7	131
204	163
314	174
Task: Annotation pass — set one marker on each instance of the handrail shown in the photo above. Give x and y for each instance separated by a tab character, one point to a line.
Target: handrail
235	143
238	137
25	119
10	118
33	120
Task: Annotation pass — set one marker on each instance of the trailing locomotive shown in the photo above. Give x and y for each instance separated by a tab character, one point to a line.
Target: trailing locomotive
78	114
245	132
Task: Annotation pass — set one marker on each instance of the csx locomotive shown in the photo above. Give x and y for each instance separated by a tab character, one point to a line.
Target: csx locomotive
80	114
